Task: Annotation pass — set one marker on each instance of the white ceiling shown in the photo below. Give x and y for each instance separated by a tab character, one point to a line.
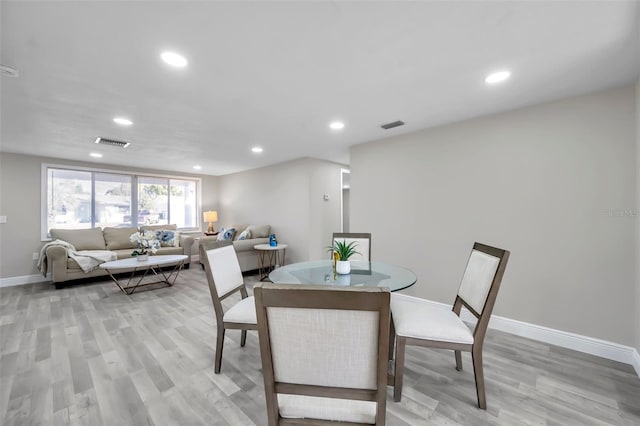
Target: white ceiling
275	74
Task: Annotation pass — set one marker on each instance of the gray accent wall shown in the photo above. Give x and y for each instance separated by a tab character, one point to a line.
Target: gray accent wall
290	197
20	183
550	182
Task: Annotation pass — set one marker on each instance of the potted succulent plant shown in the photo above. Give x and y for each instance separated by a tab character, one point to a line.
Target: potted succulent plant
341	254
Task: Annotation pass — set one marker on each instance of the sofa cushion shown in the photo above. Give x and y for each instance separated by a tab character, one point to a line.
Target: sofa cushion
118	238
259	231
81	239
172	227
246	245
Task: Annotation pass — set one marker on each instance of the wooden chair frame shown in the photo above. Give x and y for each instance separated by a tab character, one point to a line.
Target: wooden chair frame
322	297
367	235
217	299
479	332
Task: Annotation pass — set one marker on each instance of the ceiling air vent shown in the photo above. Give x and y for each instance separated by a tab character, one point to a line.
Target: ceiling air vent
112	142
392	125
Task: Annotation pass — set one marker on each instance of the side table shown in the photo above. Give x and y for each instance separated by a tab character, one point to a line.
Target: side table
269	257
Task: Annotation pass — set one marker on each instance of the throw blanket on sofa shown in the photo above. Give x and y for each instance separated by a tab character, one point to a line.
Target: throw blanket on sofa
88	260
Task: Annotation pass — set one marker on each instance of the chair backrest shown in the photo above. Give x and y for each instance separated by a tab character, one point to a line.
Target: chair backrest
324	351
223	271
363	240
480	284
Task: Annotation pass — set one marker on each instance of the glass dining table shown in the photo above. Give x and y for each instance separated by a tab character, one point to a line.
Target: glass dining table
363	273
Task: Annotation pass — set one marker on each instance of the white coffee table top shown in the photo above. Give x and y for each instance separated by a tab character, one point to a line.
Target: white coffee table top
132	262
268	247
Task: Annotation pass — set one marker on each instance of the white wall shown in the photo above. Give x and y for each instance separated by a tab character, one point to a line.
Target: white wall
289	197
637	211
20	202
546	182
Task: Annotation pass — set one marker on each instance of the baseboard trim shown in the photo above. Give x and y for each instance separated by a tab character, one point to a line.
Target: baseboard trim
636	361
22	280
564	339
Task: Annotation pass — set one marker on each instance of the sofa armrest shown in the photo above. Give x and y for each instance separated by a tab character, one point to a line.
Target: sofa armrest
57	263
186	242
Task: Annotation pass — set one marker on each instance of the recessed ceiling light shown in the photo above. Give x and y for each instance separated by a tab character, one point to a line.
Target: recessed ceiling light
196	167
257	149
497	77
123	121
96	155
174	59
337	125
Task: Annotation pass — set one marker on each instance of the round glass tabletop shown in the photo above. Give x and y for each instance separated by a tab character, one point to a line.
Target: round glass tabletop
363	273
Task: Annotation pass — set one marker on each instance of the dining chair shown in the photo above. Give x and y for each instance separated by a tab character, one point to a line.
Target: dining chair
324	353
225	279
421	323
363	240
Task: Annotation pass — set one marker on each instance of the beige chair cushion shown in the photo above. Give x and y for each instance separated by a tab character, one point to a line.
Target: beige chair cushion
477	279
225	269
81	239
306	350
298	406
259	231
420	319
118	238
242	312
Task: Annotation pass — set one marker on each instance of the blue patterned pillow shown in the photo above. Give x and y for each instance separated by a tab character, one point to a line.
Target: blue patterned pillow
167	238
226	234
244	235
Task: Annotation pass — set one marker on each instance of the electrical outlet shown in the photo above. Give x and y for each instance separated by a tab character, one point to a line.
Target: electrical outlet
35	255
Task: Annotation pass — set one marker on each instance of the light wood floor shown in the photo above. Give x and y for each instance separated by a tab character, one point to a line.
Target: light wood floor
90	355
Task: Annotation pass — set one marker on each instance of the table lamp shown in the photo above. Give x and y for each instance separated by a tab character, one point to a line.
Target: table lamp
210	216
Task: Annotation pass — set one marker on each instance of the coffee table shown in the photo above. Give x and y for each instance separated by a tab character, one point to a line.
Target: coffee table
153	266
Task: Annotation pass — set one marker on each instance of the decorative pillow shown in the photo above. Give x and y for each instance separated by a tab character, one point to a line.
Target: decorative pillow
226	234
245	235
168	238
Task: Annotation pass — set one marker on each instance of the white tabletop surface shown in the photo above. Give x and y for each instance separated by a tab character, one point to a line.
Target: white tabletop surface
132	262
268	247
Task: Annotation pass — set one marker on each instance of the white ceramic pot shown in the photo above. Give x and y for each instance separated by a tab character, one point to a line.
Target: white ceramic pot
343	266
142	257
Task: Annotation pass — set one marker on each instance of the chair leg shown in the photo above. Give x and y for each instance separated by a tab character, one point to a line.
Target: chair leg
243	338
399	368
219	346
476	355
392	338
458	360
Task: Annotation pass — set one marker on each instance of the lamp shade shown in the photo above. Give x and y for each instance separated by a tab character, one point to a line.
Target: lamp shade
211	216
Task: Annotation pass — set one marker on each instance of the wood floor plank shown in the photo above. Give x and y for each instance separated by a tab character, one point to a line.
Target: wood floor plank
89	355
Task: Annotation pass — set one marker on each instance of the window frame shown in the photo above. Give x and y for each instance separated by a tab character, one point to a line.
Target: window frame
44	191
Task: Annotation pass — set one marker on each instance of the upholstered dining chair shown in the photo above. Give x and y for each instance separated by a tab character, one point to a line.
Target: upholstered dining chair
225	279
324	353
418	322
363	240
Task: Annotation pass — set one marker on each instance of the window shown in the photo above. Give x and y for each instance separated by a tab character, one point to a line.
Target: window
85	198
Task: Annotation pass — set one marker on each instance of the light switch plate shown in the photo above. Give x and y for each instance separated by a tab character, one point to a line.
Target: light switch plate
3	219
